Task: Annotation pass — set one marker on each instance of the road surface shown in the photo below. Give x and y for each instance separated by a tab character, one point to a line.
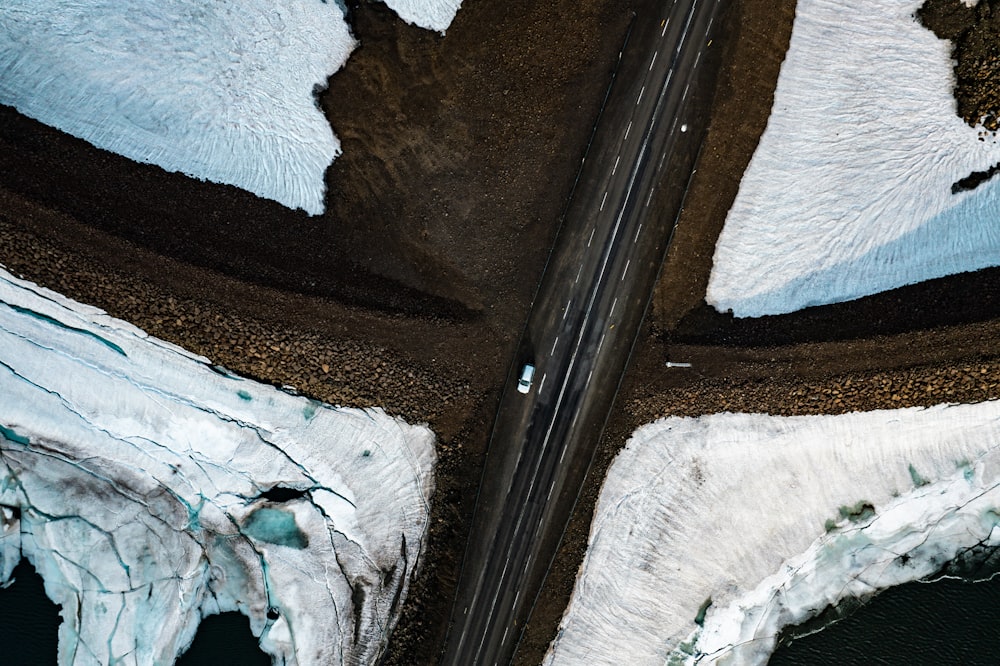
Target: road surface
583	324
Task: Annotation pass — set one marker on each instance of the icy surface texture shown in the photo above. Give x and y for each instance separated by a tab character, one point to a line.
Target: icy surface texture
849	191
135	477
772	519
221	91
430	14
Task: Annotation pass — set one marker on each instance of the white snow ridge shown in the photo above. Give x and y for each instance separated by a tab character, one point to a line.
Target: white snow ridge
849	191
711	534
135	477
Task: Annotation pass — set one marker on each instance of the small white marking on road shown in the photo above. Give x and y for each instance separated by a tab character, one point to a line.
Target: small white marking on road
652	61
664	31
562	455
615	168
542	383
648	199
697	57
504	639
603	200
589	375
684	96
591	236
641	90
578	271
627	130
637	232
625	272
554	345
600	343
566	309
613	304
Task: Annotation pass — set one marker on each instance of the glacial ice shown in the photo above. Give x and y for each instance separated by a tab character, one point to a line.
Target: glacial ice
713	533
849	191
430	14
151	489
220	91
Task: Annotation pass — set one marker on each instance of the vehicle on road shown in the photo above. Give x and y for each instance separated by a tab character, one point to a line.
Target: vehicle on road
527	374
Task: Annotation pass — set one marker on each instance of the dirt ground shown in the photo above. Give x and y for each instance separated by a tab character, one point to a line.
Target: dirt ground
410	292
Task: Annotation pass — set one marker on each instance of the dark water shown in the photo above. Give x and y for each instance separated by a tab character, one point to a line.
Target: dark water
29	622
941	623
29	625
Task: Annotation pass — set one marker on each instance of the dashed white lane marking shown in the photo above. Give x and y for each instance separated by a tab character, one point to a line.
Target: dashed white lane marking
652	61
664	31
566	310
591	236
542	383
613	304
641	90
603	200
627	130
637	233
554	343
615	168
624	272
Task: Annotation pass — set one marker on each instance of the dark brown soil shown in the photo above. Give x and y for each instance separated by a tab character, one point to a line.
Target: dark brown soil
975	36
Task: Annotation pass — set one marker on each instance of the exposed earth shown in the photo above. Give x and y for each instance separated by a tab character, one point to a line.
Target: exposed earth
411	291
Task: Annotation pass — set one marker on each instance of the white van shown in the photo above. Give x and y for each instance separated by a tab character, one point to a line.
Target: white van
527	374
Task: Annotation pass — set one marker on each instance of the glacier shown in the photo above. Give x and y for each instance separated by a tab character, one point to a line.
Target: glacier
711	534
849	190
220	91
151	489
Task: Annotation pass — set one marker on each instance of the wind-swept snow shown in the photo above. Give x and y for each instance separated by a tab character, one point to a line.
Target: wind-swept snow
135	477
430	14
745	523
849	191
221	91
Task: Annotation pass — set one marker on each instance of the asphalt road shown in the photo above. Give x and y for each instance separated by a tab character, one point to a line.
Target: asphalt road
583	324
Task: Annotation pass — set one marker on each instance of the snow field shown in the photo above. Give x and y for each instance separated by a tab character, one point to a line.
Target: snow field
771	519
849	191
133	476
220	91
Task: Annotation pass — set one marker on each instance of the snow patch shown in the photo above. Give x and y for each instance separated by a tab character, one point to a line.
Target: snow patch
430	14
849	191
151	489
220	91
713	533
